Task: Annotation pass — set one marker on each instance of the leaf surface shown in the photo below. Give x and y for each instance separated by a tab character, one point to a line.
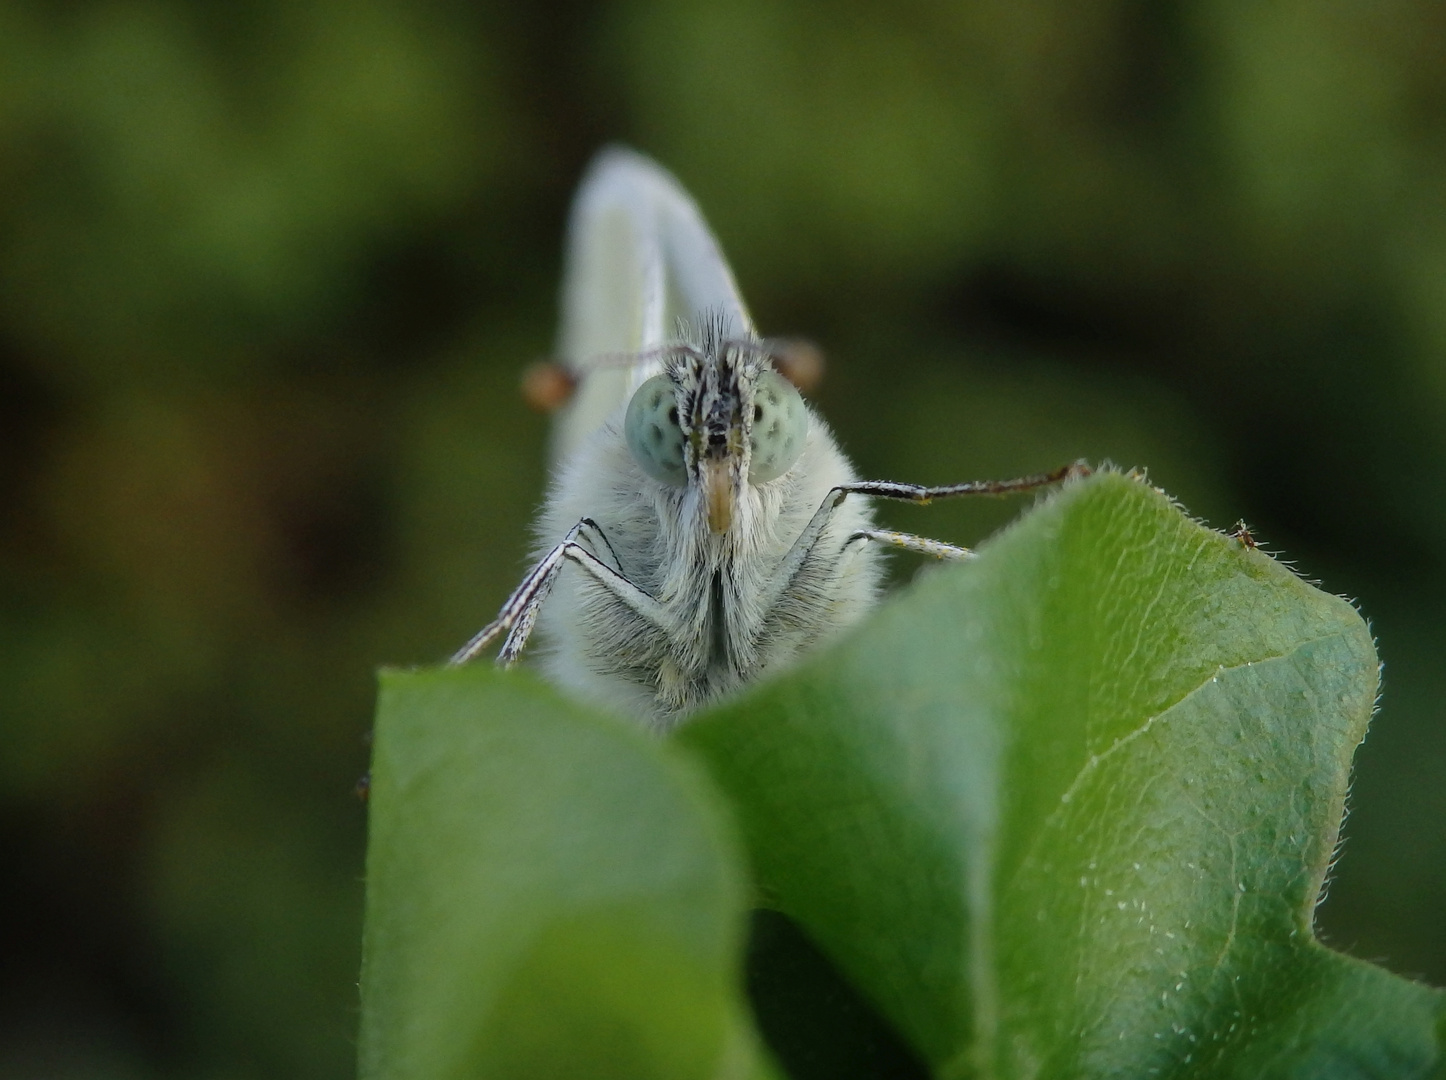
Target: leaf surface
549	894
1066	810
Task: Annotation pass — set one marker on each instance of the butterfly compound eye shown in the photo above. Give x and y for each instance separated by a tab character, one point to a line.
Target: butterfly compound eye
653	435
780	425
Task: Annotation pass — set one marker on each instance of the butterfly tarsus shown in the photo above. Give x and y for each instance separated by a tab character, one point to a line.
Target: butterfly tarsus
921	545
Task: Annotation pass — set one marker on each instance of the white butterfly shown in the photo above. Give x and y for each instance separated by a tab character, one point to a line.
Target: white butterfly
705	509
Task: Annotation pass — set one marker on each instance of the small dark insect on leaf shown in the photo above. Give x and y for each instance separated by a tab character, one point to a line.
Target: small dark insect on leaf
547	385
1242	533
363	789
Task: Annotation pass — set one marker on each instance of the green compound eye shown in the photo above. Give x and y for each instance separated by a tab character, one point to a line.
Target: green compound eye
780	425
654	437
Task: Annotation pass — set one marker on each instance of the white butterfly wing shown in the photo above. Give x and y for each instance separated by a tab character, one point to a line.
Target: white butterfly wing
639	257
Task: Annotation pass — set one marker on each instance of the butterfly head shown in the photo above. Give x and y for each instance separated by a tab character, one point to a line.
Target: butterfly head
718	417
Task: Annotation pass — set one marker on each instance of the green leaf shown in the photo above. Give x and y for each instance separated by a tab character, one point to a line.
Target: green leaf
1066	810
1063	811
549	894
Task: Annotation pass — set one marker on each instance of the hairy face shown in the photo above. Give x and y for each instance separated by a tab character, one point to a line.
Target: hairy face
718	416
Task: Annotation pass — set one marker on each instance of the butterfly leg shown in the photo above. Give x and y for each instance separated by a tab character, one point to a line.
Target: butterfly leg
921	545
922	496
519	614
915	493
591	531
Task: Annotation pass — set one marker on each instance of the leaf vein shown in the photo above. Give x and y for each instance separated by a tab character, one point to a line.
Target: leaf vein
1095	760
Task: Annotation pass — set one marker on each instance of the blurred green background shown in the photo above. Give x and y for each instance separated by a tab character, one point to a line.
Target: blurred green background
268	274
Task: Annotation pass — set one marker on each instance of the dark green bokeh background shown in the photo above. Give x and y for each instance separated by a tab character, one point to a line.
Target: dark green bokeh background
268	273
